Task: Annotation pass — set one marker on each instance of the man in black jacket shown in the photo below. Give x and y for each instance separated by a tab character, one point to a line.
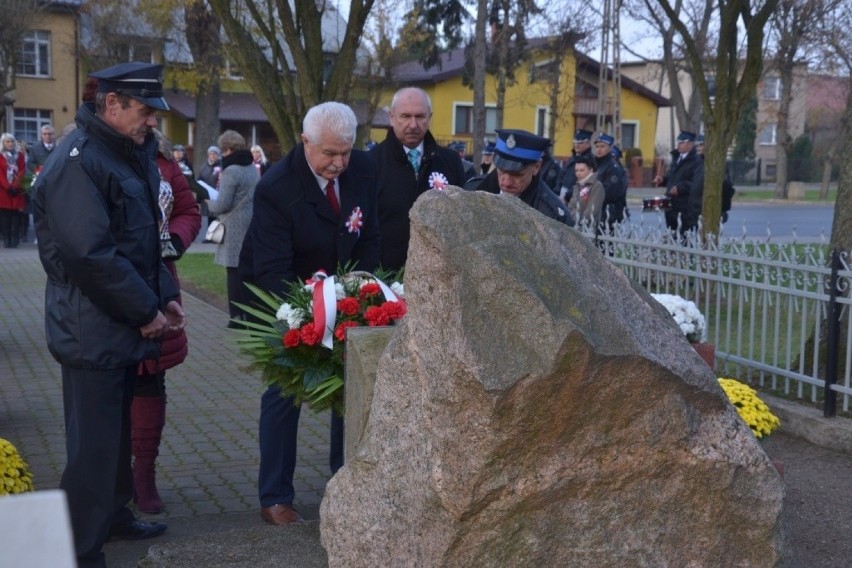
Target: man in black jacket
518	159
109	298
614	180
409	162
302	206
685	174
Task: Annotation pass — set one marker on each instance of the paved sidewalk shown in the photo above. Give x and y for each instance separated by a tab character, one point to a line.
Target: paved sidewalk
209	455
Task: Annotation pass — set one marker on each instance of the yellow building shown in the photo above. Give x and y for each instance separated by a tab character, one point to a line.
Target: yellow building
527	103
47	78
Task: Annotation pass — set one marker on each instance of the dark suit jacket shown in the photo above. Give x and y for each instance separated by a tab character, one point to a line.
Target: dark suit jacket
294	232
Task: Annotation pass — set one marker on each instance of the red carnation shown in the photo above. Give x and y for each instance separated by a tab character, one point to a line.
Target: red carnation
291	338
348	306
340	332
309	334
394	310
369	290
376	316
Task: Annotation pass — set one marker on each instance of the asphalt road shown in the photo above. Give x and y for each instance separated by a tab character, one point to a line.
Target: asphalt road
761	220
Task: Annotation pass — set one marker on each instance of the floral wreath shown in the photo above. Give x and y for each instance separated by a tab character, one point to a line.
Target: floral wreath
438	181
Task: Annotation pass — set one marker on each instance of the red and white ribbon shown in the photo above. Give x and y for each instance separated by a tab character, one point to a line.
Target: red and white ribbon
325	307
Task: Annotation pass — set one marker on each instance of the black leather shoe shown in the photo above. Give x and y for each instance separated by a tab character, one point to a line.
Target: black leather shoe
137	530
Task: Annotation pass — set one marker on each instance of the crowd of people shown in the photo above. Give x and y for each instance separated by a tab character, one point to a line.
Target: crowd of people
114	319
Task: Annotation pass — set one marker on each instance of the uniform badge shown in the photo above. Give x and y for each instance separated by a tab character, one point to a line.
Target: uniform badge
510	142
438	181
353	224
74	152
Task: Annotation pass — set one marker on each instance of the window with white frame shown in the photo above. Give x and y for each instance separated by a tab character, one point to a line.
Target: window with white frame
232	69
772	89
629	135
34	54
27	123
542	121
141	52
766	137
463	119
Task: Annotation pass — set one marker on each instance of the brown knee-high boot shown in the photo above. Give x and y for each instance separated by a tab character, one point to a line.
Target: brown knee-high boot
147	418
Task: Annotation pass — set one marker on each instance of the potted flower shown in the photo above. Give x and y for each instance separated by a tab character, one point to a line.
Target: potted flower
691	322
754	412
15	476
298	341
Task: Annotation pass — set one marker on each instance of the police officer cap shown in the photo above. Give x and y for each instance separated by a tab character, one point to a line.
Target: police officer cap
686	136
489	148
516	149
178	148
699	140
141	81
582	135
457	146
606	138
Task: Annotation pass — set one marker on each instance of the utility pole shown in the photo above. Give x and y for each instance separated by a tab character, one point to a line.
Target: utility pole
609	101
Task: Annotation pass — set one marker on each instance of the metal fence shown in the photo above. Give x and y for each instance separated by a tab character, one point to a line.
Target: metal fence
778	313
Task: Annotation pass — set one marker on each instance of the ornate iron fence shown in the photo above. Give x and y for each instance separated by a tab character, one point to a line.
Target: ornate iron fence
778	313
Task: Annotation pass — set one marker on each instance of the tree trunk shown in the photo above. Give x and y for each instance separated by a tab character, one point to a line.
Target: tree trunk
202	35
479	53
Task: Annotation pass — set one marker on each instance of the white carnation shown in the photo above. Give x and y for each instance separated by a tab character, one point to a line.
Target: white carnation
398	289
291	315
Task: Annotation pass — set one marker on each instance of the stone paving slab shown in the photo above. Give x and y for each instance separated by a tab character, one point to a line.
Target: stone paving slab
209	455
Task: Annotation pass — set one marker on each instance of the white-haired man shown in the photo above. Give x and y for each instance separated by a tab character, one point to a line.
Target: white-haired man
301	206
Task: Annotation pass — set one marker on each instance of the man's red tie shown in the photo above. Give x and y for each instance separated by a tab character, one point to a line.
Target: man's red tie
332	198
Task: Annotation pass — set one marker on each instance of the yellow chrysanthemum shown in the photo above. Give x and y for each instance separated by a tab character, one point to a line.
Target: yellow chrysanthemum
751	409
15	476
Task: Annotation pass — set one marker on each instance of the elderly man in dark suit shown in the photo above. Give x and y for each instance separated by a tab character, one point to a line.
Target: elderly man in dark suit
301	206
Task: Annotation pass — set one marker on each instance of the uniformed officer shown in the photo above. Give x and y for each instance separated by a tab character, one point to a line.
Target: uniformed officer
613	178
517	160
487	164
109	298
685	175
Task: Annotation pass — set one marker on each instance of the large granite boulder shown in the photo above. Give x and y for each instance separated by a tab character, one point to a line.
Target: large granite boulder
536	408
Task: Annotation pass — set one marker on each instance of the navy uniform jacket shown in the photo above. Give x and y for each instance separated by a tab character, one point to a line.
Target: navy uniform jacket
97	224
537	195
294	231
686	175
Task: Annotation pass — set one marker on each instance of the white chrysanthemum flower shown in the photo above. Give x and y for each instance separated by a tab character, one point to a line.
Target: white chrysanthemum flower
339	290
686	314
398	289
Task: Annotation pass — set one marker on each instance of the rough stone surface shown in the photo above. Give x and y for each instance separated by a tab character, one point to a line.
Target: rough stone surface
364	346
537	409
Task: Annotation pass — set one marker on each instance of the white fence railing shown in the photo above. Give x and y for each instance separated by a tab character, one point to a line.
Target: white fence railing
769	307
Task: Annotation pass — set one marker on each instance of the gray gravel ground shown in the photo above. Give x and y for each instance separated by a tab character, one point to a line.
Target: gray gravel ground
818	504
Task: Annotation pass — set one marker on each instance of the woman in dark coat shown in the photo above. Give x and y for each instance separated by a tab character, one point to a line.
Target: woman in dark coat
148	410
